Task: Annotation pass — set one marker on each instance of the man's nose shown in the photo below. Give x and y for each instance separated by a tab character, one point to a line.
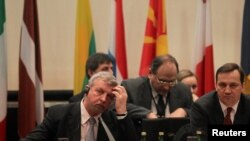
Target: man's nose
104	97
228	89
166	87
111	70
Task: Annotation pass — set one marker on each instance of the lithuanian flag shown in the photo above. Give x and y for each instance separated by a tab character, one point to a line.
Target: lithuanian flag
85	43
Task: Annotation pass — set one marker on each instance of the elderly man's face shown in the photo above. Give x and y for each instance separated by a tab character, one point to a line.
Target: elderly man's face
99	97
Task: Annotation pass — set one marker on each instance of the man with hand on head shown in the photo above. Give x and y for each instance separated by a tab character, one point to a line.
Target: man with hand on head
95	63
102	62
73	121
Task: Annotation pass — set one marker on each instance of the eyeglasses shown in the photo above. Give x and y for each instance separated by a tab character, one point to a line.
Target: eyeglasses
170	83
231	85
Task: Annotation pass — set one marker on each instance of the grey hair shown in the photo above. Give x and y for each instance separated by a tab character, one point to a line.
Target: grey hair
105	76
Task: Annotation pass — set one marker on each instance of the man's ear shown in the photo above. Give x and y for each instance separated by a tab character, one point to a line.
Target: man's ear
150	73
90	72
87	89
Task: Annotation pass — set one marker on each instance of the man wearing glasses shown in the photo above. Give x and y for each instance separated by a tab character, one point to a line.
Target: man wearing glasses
159	90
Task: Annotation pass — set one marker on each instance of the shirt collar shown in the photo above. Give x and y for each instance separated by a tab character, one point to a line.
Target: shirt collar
85	115
224	107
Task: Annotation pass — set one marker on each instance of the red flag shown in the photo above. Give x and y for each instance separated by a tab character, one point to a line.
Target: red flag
117	50
203	52
30	97
155	41
3	74
120	53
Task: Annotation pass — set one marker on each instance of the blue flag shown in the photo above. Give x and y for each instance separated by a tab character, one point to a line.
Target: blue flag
245	46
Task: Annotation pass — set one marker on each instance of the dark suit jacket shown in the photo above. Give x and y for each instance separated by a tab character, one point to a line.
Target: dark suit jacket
135	112
64	121
139	93
77	98
207	111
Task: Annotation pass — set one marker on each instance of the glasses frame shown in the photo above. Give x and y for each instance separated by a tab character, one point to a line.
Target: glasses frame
165	82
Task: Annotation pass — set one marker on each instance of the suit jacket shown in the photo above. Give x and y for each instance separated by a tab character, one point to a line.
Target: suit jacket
64	121
139	93
77	98
134	111
207	111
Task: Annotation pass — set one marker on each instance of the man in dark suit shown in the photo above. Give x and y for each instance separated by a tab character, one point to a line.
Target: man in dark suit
71	121
211	108
102	62
160	82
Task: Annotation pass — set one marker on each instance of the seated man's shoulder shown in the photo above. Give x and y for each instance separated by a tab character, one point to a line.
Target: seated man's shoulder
134	81
181	89
63	108
76	98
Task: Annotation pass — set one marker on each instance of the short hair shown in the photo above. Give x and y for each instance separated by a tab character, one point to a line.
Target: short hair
159	60
184	74
229	67
95	60
105	76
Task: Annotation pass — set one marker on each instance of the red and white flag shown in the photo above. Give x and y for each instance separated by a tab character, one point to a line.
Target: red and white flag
117	48
30	97
203	53
3	74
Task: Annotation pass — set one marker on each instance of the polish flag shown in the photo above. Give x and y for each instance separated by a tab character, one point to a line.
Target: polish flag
203	53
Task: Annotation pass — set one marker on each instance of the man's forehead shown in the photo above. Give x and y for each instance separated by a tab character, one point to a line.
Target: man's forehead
167	67
103	83
105	64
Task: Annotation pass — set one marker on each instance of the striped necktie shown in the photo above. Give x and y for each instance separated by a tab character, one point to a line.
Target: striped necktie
227	119
90	135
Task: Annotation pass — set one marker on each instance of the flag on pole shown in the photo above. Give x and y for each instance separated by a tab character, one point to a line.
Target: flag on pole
155	40
117	48
3	74
245	46
84	43
203	52
30	97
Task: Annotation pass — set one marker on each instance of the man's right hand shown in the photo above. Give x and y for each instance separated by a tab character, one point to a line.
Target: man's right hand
151	115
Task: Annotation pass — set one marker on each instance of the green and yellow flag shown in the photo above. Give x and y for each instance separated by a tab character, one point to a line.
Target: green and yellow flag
85	43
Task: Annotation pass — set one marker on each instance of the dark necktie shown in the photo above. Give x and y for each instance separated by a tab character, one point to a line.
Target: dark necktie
90	135
161	106
227	119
